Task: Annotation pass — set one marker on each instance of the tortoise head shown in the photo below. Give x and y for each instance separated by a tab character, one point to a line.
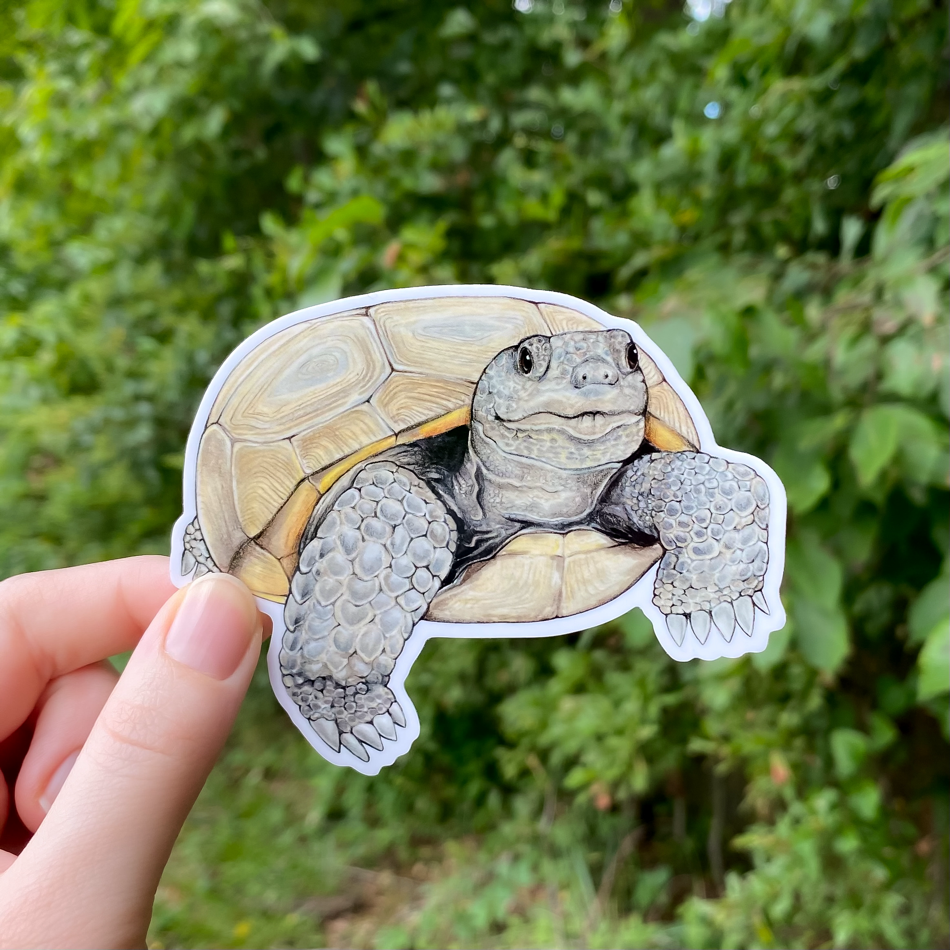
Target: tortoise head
573	400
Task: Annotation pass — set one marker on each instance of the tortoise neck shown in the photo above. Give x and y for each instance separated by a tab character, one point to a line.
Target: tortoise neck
525	490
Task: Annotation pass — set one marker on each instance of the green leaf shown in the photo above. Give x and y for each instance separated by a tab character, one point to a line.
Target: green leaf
908	365
933	663
930	607
813	571
849	749
816	577
895	696
580	777
884	430
822	634
922	296
923	448
363	209
324	286
866	800
874	442
852	229
458	22
805	476
922	167
883	732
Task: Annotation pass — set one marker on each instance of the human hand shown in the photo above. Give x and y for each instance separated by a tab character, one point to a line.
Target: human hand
99	770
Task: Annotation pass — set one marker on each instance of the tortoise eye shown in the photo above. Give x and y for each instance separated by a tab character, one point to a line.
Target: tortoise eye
633	356
525	361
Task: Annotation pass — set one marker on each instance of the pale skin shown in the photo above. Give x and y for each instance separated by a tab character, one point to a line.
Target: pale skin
100	771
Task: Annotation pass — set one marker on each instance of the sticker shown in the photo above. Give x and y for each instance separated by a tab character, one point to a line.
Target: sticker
474	461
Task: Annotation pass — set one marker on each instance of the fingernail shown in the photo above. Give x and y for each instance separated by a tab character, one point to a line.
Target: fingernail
214	626
56	782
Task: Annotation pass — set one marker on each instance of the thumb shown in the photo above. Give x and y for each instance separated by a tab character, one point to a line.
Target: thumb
88	877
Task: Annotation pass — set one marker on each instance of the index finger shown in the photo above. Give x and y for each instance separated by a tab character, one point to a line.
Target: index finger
54	622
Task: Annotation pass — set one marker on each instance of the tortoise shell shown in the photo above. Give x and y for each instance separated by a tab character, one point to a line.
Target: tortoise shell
318	397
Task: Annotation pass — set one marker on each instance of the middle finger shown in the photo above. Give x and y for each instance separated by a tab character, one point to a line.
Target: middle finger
67	711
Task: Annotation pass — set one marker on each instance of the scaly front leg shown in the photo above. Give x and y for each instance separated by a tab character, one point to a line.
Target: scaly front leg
711	517
364	580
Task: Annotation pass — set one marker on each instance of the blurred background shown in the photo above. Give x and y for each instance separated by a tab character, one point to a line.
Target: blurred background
763	184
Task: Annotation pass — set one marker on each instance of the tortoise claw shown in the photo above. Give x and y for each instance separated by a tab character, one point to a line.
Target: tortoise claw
700	622
397	714
354	745
677	625
745	614
758	598
327	730
385	726
368	734
724	617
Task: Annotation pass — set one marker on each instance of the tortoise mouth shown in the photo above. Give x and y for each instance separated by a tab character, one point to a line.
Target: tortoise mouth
584	426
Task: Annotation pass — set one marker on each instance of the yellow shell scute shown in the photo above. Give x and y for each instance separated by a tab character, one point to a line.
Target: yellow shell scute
289	563
406	400
494	592
662	437
451	420
564	319
453	336
316	373
217	510
584	540
664	404
261	571
651	372
266	474
542	575
601	572
261	354
322	445
325	480
282	535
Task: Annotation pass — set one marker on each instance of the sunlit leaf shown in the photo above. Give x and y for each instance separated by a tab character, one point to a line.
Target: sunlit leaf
874	442
933	663
930	607
805	476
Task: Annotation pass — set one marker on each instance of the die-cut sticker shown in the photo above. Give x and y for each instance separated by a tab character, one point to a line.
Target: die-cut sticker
473	461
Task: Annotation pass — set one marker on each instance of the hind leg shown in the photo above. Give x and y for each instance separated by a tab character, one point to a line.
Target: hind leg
196	556
365	579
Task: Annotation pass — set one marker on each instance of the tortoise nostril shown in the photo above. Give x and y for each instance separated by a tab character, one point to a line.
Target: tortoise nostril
594	373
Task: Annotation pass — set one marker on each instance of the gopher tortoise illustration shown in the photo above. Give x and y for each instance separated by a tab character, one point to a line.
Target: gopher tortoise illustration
450	460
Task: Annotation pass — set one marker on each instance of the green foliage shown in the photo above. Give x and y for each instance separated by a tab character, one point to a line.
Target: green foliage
823	876
174	173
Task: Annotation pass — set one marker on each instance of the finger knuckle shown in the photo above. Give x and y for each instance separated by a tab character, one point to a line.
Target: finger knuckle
140	728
